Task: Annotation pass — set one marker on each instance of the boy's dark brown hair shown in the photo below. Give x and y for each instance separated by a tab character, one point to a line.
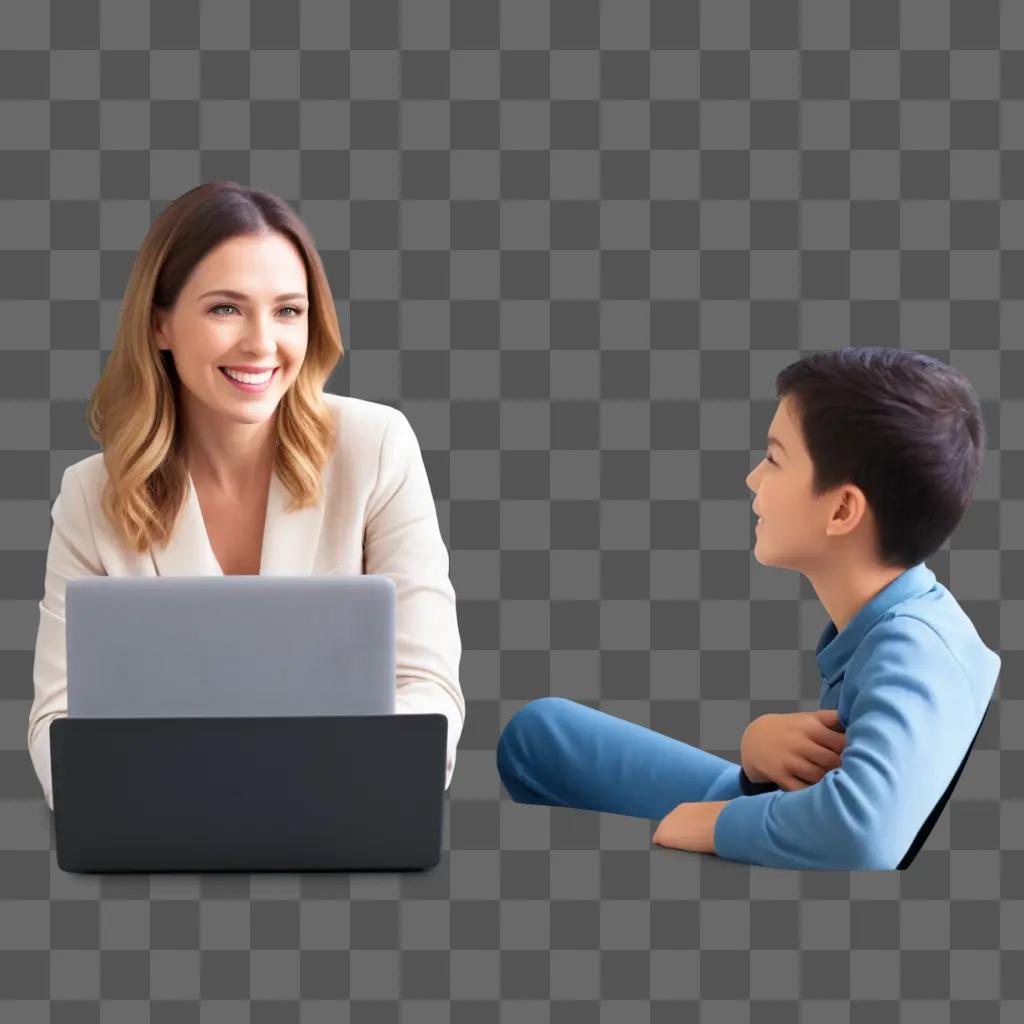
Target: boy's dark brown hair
904	427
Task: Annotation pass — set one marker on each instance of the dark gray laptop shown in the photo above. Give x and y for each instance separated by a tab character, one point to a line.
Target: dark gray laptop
241	723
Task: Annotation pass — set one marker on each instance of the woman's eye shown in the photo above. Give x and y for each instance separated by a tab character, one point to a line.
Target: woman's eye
771	460
230	305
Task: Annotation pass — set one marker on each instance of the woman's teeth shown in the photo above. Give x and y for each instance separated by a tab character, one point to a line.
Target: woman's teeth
248	378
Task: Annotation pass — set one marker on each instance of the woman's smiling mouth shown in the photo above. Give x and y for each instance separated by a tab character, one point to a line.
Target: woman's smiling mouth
248	382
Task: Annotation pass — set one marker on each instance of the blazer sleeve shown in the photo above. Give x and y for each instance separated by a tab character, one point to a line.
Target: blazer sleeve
911	719
402	540
71	553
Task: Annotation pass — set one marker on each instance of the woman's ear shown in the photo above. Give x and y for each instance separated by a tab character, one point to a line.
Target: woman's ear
157	322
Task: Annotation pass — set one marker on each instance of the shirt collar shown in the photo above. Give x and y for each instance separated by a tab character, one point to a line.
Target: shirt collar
835	649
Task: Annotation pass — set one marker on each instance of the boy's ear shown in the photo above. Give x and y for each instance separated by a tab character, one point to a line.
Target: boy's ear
856	505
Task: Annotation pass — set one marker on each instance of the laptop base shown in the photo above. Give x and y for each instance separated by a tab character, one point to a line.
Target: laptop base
346	793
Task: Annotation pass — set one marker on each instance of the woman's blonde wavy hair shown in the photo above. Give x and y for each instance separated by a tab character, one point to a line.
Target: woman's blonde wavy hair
135	413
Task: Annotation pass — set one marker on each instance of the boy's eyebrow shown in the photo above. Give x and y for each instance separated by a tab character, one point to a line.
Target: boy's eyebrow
778	444
240	295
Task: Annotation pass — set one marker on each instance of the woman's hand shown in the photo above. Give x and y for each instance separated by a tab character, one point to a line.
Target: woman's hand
792	750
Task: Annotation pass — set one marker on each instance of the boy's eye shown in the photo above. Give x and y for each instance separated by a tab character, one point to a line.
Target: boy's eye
770	459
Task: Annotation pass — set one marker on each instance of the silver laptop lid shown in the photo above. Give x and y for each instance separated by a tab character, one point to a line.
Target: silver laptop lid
190	646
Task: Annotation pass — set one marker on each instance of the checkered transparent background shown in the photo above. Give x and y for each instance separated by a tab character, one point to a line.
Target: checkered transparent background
574	242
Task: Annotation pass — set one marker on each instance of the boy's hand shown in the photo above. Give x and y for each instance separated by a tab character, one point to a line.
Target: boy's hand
792	750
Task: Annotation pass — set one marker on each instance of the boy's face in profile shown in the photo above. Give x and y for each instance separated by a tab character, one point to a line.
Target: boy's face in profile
792	534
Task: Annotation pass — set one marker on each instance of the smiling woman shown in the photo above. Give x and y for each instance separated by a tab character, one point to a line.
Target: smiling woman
227	277
223	454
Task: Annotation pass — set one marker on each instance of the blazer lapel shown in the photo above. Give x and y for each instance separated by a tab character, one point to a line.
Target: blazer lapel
188	552
290	539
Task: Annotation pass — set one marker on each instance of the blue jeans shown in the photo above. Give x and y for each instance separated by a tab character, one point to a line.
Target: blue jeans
562	753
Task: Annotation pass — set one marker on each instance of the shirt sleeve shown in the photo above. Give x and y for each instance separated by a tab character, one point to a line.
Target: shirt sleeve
910	721
71	553
403	540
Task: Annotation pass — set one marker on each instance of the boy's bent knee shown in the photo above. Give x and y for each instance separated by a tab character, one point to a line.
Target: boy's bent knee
513	744
526	718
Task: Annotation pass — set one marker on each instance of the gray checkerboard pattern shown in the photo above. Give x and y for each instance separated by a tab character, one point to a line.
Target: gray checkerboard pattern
574	242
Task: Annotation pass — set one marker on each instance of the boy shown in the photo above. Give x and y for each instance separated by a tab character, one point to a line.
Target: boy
872	457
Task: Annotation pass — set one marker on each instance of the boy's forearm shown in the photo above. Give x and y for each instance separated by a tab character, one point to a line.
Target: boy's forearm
690	826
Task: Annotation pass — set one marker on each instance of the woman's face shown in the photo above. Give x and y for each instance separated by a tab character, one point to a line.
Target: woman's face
245	304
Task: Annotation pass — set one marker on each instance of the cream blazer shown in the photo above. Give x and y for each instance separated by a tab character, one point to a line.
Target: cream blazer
376	516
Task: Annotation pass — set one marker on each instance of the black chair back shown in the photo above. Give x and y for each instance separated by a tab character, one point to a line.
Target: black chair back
929	824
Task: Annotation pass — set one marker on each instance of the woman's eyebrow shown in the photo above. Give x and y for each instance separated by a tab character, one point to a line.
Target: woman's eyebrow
241	295
778	444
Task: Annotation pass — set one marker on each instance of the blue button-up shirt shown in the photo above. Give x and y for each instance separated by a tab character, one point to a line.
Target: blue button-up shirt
910	679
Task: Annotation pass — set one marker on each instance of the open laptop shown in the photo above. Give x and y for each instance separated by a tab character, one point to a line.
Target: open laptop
240	723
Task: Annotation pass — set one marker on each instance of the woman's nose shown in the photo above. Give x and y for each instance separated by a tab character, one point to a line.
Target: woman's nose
261	334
